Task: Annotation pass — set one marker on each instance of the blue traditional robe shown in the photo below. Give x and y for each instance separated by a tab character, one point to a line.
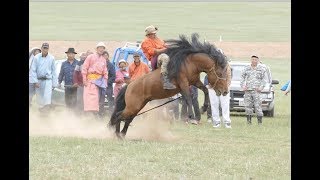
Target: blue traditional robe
43	71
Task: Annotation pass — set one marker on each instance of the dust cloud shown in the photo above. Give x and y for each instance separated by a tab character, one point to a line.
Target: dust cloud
153	125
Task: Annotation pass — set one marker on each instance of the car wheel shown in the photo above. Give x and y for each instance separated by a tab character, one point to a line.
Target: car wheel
269	113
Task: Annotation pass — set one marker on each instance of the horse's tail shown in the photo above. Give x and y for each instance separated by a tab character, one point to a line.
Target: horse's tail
120	104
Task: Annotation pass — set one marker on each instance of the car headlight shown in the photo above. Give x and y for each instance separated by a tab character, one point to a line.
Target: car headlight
266	95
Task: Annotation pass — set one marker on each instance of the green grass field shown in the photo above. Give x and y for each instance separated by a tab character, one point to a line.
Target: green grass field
241	21
198	152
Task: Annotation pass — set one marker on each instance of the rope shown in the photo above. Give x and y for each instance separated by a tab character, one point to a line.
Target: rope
159	105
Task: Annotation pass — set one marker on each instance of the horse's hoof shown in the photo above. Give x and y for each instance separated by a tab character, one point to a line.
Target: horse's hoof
119	136
194	122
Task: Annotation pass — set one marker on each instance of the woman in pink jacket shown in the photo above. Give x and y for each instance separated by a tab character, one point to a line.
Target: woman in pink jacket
122	76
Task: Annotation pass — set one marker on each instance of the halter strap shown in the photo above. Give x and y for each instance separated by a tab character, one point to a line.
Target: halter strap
215	73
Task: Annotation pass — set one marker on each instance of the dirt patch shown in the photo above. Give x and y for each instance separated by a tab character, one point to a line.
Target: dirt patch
152	126
241	50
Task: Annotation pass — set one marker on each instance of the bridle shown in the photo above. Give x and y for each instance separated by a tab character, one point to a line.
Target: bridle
218	78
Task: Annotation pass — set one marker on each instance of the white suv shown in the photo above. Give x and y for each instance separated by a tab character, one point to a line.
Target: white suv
236	94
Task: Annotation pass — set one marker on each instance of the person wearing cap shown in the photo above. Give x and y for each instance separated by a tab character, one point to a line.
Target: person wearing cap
137	68
152	46
122	77
78	81
111	79
44	78
95	69
252	83
32	90
66	74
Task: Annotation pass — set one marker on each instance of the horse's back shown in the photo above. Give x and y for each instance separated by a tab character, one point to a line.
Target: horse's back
149	86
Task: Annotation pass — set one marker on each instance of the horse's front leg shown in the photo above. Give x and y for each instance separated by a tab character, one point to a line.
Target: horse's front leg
201	86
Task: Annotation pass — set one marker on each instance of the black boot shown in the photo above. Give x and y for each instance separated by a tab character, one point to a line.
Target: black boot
166	83
259	119
249	119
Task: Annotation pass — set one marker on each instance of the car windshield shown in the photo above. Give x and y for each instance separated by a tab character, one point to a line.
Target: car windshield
236	71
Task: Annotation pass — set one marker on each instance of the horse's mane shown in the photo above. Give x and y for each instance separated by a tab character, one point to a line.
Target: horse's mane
178	50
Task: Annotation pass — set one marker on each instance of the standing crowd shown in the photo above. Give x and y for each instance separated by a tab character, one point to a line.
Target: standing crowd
93	77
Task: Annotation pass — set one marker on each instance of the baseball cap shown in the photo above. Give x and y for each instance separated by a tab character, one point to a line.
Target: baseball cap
45	45
101	44
136	54
151	30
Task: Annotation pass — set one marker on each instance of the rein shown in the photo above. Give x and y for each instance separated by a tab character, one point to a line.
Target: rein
159	105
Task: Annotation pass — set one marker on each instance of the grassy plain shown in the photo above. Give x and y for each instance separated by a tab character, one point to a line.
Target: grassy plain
196	152
125	21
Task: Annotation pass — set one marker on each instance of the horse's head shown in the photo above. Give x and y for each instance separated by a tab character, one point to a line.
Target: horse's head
217	77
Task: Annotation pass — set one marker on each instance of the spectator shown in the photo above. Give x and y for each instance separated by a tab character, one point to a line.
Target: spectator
223	101
44	78
137	68
32	90
95	76
66	74
111	79
77	81
286	88
195	104
122	77
153	47
252	82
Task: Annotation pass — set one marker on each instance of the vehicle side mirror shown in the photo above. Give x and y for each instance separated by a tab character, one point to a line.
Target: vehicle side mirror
274	81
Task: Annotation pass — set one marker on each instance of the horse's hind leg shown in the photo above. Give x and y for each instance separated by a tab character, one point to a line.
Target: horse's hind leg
125	127
118	130
118	123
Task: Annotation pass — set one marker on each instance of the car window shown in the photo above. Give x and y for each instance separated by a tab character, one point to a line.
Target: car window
267	75
130	58
236	71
